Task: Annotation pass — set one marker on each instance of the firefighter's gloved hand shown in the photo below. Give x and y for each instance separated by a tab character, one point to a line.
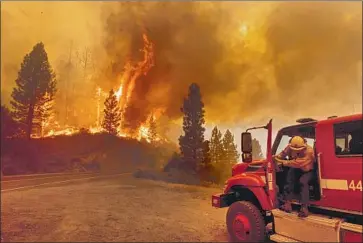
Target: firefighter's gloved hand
278	161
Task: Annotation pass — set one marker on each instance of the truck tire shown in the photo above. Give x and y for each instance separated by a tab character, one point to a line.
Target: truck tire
245	223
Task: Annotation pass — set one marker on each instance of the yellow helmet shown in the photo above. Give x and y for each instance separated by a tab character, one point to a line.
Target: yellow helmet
297	143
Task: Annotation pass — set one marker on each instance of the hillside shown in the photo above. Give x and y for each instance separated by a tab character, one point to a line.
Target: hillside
98	152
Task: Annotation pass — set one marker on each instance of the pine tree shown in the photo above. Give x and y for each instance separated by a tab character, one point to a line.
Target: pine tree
191	143
216	146
207	171
256	149
35	79
112	114
230	155
152	129
206	163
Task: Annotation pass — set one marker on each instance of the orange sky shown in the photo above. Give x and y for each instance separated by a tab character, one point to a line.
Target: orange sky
279	59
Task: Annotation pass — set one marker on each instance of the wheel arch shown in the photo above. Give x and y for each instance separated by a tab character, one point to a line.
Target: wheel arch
257	195
243	193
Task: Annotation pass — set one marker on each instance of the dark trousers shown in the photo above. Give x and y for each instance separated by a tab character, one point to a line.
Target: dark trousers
304	178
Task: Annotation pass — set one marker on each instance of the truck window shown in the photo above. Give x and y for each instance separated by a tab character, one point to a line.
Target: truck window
340	142
348	138
285	141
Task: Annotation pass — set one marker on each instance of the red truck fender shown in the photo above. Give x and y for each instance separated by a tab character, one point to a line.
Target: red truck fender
255	184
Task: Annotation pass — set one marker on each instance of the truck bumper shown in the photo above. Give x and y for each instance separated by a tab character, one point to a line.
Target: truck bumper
222	200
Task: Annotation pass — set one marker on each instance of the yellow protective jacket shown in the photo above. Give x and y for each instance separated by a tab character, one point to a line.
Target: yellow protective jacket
304	160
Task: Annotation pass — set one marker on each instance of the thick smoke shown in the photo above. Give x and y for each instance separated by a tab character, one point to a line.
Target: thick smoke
186	50
253	61
316	51
299	59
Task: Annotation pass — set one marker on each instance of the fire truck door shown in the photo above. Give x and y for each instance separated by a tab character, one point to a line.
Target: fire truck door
340	170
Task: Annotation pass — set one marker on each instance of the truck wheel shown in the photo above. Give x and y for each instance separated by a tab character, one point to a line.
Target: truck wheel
245	223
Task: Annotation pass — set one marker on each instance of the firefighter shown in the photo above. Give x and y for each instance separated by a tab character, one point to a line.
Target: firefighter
301	162
355	144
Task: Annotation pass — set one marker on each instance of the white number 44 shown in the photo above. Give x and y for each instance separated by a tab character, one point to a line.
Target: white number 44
354	186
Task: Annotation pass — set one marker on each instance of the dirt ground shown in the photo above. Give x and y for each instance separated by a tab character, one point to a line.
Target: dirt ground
122	209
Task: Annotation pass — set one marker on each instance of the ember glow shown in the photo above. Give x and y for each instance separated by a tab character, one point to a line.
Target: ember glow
67	132
143	133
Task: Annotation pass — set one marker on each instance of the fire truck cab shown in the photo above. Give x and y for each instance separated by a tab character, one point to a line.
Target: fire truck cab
253	194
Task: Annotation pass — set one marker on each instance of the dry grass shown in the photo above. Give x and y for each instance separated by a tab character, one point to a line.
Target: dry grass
174	176
123	209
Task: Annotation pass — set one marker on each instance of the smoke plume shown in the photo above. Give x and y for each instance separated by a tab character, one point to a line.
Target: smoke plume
299	58
252	60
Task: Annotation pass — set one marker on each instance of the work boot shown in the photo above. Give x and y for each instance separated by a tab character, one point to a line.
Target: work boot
287	207
304	211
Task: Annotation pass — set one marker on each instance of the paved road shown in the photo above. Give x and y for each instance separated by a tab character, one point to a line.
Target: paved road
119	208
33	176
9	183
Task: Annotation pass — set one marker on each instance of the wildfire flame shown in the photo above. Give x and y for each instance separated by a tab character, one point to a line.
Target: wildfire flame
143	133
130	76
131	73
119	92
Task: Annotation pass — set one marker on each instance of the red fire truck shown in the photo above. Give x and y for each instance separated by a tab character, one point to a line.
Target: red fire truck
253	193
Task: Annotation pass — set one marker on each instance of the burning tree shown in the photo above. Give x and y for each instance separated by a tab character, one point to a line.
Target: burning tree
191	143
44	114
35	81
112	114
152	129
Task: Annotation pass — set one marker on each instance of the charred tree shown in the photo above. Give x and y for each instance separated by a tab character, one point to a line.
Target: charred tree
112	114
191	143
35	81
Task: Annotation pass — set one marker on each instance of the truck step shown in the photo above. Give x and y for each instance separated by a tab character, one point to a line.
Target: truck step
281	238
314	228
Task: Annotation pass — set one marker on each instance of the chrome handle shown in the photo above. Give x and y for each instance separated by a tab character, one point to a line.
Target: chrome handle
319	172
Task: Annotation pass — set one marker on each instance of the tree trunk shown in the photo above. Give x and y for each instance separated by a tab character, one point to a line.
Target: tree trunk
30	121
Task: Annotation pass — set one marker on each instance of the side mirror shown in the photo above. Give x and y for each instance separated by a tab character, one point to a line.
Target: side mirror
246	142
246	147
246	157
